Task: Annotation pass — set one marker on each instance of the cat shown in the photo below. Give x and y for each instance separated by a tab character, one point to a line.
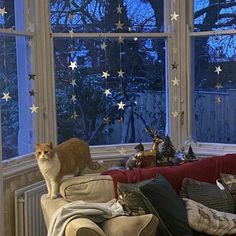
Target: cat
69	157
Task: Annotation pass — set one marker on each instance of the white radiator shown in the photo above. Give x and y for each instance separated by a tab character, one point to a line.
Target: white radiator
28	214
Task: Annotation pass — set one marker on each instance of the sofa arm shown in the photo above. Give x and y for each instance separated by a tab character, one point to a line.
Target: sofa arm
83	227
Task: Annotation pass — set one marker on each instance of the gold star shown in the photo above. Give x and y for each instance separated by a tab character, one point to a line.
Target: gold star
218	99
174	66
218	69
174	16
175	81
73	82
73	98
105	74
119	25
2	11
73	65
175	114
74	116
34	109
120	73
106	120
122	151
121	105
218	86
6	96
103	46
119	9
107	92
120	39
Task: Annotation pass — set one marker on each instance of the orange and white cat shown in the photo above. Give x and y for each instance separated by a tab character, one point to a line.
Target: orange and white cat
69	157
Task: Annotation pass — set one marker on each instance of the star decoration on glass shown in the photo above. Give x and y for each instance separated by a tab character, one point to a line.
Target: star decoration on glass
135	38
71	15
31	93
175	81
119	9
73	98
106	120
74	116
120	39
105	74
121	120
218	86
122	151
218	69
103	46
73	82
30	42
119	25
174	66
218	99
73	65
107	92
174	16
71	32
34	109
121	105
31	76
175	114
175	50
6	96
120	73
31	27
3	11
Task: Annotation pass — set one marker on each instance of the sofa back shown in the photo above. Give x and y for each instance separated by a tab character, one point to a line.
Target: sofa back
206	169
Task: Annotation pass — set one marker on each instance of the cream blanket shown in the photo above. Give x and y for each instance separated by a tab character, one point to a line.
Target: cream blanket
97	212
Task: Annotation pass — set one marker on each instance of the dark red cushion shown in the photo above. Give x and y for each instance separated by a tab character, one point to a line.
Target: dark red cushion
207	170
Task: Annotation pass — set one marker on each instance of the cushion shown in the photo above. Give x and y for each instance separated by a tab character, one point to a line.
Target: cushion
230	181
89	188
163	202
210	221
144	225
207	194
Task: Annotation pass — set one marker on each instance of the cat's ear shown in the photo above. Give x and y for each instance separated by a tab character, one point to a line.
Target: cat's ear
50	145
36	146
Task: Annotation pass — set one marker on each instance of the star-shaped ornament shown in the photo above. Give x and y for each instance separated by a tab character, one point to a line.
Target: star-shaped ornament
31	76
34	109
175	82
30	42
121	105
31	93
73	65
6	96
218	86
103	46
73	98
121	120
74	116
71	32
174	66
218	69
105	74
122	151
174	16
31	27
119	9
120	73
3	11
175	114
120	39
218	99
106	120
107	92
119	25
73	82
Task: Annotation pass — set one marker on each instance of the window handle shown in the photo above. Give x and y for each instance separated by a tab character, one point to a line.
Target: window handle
182	118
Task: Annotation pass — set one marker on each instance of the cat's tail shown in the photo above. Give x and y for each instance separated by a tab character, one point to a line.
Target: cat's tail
95	165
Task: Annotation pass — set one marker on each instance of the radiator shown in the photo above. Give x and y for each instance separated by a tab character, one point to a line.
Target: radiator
28	214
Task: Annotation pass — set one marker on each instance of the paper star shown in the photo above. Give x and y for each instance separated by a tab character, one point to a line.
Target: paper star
121	120
103	46
119	25
175	114
106	120
34	109
135	38
6	96
175	81
120	73
2	11
174	66
71	32
74	115
73	98
73	65
105	74
31	27
218	69
119	9
30	42
218	99
107	92
174	16
120	39
122	151
218	86
31	93
73	82
31	76
121	105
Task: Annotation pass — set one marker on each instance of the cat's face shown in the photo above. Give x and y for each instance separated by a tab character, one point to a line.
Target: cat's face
43	151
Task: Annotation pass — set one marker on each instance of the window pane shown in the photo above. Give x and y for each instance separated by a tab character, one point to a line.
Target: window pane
17	120
102	16
141	88
214	15
214	89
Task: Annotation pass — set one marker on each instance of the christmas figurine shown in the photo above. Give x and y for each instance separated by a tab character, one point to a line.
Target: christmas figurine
168	150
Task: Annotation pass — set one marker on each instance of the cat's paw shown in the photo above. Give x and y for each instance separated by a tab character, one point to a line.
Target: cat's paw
54	196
